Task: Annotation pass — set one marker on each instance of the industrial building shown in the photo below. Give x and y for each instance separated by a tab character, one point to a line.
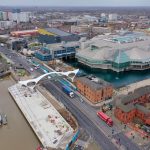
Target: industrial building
24	33
53	35
132	106
127	51
56	51
94	89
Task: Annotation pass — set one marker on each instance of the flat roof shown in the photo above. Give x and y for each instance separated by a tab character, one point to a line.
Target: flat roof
136	94
95	84
4	36
134	46
50	127
61	46
58	32
123	100
24	31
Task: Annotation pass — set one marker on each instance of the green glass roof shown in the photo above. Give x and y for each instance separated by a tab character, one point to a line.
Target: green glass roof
121	57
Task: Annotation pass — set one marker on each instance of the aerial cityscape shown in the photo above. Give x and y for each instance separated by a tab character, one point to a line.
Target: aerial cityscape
75	75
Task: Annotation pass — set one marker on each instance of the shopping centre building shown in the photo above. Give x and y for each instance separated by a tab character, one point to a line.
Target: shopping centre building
130	51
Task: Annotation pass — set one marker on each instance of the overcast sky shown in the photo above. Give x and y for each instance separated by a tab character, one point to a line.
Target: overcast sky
75	2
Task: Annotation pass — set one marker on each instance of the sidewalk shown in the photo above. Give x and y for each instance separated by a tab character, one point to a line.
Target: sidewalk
130	88
90	103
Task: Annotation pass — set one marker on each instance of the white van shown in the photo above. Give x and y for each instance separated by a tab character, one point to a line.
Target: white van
2	45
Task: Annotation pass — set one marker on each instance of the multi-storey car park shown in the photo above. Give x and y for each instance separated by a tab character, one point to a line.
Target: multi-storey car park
122	52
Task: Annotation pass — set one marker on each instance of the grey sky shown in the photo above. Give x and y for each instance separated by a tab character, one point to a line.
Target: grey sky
75	2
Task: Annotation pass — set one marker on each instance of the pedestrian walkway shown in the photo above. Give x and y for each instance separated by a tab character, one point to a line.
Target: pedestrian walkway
90	103
130	88
81	143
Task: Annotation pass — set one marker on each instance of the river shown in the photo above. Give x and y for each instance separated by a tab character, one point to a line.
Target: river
116	79
17	134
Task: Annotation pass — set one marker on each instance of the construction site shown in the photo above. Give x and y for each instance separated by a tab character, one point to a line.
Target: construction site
59	65
51	122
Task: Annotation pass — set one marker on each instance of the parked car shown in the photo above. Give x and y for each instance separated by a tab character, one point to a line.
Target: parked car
146	128
2	45
31	69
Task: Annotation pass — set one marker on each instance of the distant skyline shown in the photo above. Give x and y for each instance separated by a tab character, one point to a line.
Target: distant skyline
75	3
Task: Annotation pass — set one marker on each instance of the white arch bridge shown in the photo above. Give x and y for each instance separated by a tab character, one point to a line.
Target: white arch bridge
34	81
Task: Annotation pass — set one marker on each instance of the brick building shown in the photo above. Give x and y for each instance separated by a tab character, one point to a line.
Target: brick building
94	89
132	105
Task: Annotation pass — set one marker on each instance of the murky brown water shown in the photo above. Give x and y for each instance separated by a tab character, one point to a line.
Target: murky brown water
17	134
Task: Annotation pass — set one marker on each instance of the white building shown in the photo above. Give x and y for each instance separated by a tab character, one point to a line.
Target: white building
113	17
7	24
1	15
103	15
16	17
5	16
21	17
90	18
25	16
10	16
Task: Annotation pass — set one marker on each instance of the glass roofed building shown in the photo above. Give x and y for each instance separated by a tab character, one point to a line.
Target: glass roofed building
116	52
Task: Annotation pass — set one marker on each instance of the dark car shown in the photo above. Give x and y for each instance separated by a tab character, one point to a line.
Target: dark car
146	128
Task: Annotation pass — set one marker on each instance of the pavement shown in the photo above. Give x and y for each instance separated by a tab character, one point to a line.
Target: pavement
146	147
98	105
130	88
83	139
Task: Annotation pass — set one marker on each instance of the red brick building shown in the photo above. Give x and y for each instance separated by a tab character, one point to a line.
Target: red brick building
130	106
93	89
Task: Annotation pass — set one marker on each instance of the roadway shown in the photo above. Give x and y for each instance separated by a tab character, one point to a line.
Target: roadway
90	114
82	119
84	113
88	111
18	60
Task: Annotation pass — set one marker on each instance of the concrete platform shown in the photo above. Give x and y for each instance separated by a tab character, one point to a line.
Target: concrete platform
49	126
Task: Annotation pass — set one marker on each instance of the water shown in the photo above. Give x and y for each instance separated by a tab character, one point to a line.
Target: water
117	79
17	134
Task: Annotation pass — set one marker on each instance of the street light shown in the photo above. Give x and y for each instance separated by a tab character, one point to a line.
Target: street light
112	131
